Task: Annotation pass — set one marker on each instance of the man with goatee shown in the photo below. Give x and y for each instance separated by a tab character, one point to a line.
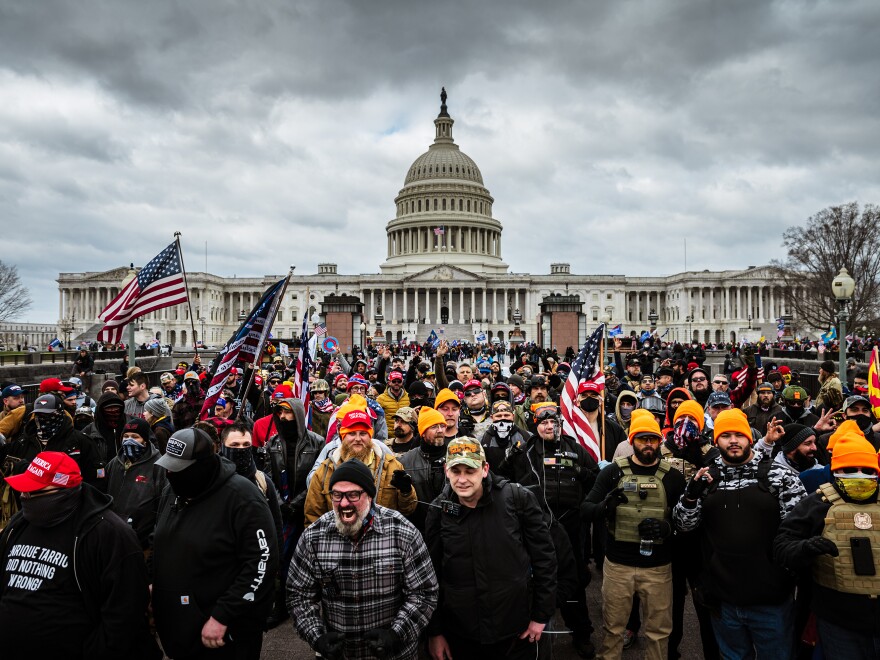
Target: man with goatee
393	485
361	584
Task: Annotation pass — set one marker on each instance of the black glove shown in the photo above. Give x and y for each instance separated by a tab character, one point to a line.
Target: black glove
288	511
381	641
748	356
819	545
696	488
465	426
612	499
330	645
402	481
653	529
514	449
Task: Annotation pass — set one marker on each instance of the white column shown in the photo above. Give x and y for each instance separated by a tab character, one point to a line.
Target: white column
484	316
439	304
461	305
749	312
712	302
761	308
772	309
394	305
494	306
516	300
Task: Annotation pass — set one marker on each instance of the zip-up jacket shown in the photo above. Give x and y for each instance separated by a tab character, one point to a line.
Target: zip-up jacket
136	490
213	556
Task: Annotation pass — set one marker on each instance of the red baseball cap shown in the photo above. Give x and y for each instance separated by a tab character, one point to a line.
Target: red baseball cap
54	385
590	386
356	419
471	384
49	468
784	370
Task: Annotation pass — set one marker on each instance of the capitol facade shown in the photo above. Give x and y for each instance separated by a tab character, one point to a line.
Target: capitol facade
444	271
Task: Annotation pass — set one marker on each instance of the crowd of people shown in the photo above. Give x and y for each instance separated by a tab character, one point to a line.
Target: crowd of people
430	503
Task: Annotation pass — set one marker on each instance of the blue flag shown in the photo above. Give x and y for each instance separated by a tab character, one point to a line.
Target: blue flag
616	331
831	335
645	336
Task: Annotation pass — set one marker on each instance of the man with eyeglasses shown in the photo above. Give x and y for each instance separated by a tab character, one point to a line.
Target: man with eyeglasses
720	383
361	583
476	409
698	384
483	525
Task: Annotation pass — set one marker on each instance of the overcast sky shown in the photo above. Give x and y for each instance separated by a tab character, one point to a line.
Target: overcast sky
280	131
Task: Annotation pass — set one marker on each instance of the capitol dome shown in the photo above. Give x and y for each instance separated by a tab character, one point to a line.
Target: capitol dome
444	212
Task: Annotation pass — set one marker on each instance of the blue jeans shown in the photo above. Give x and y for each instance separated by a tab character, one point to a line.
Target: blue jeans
762	631
839	642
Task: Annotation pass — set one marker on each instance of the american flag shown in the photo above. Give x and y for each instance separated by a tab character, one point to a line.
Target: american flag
304	362
320	330
158	284
439	231
586	367
244	344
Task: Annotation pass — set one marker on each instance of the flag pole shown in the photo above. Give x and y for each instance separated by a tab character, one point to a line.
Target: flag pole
267	328
192	320
602	367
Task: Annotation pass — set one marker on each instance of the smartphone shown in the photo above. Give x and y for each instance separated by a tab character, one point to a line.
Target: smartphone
863	559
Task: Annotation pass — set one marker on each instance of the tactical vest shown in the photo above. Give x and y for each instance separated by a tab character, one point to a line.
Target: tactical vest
844	521
647	499
687	468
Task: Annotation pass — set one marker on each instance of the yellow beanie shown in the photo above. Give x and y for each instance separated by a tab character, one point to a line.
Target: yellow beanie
732	420
846	428
692	409
445	395
642	421
852	451
355	402
429	417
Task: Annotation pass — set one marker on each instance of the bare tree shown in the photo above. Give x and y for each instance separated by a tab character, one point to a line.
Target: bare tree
836	237
14	296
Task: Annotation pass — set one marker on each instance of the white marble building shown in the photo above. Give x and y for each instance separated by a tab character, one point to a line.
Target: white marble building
444	269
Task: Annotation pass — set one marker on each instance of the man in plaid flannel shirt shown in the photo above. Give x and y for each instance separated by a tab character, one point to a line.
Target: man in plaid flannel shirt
361	583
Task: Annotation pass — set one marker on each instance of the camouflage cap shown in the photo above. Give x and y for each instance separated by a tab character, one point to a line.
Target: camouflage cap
465	451
407	414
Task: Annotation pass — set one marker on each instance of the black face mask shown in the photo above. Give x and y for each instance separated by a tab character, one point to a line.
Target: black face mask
864	422
794	412
242	457
194	480
50	509
49	426
193	387
287	428
590	404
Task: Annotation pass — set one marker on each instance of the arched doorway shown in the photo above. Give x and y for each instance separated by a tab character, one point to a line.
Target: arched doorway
718	336
183	337
444	315
388	336
400	335
159	336
172	337
732	337
501	335
707	336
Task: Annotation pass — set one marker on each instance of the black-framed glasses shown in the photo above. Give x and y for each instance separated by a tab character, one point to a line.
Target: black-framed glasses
352	496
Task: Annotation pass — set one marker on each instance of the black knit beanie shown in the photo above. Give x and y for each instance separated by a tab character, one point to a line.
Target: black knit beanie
357	473
795	434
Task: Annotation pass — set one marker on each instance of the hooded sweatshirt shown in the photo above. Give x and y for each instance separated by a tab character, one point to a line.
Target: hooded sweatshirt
624	394
106	440
294	456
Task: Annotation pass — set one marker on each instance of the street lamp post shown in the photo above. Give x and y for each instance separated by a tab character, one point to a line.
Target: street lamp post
202	321
652	317
842	286
362	340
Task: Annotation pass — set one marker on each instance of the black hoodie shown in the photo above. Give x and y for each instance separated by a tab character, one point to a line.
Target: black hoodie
107	440
109	576
213	556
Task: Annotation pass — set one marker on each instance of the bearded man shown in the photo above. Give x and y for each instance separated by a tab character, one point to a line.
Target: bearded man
394	485
361	584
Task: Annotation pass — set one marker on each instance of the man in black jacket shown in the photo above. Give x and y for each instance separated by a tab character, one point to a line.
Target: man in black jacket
634	496
424	464
560	472
482	525
52	430
219	591
74	583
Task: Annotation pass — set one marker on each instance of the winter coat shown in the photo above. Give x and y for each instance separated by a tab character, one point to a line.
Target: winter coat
296	459
496	564
186	411
382	466
136	489
228	568
112	579
106	440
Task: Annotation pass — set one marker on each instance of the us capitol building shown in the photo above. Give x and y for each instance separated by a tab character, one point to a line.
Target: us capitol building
444	271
